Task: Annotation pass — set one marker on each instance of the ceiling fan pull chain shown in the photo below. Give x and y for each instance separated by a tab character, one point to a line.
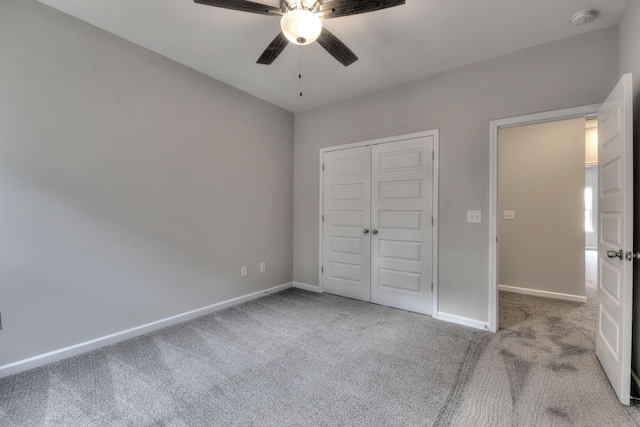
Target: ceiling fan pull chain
300	71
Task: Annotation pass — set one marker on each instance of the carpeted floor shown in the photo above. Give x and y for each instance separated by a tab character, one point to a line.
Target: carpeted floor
293	358
302	359
541	368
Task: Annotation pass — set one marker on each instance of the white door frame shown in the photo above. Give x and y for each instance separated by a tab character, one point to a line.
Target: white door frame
435	133
495	125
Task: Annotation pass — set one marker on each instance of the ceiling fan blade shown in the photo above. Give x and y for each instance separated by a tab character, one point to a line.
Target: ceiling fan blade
338	8
243	6
336	48
273	50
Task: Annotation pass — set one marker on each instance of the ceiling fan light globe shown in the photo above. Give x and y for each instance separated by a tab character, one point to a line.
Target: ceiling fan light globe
301	27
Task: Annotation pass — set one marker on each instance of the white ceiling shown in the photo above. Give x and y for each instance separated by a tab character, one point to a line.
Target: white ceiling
395	45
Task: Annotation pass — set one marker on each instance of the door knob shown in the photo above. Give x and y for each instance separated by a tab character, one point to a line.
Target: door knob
615	254
365	231
374	231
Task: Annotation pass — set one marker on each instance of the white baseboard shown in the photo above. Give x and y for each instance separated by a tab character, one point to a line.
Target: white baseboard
464	321
63	353
543	294
306	287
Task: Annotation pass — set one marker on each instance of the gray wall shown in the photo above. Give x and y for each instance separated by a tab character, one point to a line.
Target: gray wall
574	71
131	188
591	180
541	178
630	63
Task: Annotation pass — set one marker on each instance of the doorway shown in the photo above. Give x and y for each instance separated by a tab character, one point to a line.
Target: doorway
615	234
378	229
541	183
494	214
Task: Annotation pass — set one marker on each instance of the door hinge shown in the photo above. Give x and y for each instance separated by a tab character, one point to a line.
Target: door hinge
432	221
433	155
322	217
432	287
322	270
323	167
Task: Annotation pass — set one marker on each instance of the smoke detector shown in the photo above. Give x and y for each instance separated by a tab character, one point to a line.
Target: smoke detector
584	16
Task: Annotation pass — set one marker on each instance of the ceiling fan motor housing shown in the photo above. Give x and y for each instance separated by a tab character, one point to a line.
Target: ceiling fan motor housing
310	5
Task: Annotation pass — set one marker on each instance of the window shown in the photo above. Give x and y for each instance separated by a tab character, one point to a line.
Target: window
588	210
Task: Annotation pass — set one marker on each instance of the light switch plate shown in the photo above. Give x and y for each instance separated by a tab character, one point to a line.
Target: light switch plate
509	215
474	217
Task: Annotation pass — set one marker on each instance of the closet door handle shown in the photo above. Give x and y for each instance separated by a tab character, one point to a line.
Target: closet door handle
374	231
365	231
615	254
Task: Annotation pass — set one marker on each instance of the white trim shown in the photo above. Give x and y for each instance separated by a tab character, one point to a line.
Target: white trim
311	288
543	294
320	228
63	353
493	228
435	133
435	208
464	321
494	126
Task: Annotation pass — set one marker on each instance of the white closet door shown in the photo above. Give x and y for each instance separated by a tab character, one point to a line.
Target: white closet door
401	224
347	211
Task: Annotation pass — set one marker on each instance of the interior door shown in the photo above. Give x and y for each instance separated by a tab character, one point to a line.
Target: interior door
347	211
615	233
401	225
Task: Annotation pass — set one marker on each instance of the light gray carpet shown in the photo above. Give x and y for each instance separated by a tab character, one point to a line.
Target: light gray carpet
294	358
541	368
303	359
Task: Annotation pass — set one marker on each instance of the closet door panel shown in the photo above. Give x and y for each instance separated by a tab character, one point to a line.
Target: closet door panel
401	223
347	214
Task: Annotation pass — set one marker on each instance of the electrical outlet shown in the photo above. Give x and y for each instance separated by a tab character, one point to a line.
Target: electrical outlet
244	271
509	215
263	267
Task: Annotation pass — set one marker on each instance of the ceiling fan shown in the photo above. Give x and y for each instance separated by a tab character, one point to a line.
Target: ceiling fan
301	22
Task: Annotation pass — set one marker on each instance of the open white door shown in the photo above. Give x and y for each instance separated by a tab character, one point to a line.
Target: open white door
615	237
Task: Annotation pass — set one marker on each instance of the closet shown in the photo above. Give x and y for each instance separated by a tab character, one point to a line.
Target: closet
378	223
